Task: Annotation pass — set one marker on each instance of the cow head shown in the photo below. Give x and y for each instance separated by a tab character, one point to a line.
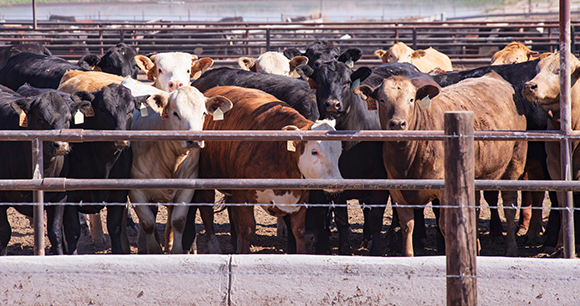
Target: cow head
168	71
325	51
319	159
184	109
119	60
544	88
111	109
513	53
273	63
399	53
333	81
399	99
49	111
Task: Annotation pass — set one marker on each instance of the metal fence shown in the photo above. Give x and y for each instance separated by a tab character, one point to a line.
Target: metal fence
466	42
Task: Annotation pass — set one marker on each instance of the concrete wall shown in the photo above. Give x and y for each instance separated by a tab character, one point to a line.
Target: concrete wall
276	279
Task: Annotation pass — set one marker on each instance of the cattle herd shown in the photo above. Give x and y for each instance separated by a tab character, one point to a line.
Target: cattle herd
313	89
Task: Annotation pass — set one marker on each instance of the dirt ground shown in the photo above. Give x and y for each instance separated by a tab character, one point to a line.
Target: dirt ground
266	242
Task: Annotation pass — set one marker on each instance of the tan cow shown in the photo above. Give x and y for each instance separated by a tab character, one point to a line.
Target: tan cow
90	81
544	89
273	63
172	70
513	53
425	60
256	110
490	98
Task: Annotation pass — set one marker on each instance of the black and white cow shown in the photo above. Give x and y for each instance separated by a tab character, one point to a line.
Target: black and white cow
45	111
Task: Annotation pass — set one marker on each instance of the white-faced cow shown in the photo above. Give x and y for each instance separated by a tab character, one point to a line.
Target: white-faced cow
273	63
183	109
256	110
172	70
489	97
45	111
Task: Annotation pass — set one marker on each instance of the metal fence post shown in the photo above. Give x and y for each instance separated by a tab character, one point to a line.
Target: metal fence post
460	223
38	197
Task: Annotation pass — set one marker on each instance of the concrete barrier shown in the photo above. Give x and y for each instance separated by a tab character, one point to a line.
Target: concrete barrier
276	279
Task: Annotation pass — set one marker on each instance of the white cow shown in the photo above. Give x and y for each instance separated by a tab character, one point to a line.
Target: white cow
182	109
273	63
172	70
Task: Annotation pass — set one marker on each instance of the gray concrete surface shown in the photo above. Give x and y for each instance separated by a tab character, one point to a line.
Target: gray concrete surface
276	280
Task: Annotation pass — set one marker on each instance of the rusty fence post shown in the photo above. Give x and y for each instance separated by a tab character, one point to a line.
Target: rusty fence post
38	197
460	223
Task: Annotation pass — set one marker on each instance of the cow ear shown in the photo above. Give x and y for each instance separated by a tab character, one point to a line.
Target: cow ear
297	61
532	54
362	73
304	71
247	64
21	105
81	106
212	104
141	100
352	55
426	90
368	94
379	53
291	53
144	63
87	62
311	83
158	102
82	95
291	144
200	66
418	54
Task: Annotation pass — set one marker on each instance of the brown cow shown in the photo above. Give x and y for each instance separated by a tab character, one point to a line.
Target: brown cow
256	110
489	97
544	89
513	53
425	60
90	81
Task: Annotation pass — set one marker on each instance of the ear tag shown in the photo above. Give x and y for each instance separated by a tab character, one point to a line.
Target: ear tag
90	112
349	63
290	146
371	104
355	84
79	117
218	115
143	109
164	114
425	102
23	120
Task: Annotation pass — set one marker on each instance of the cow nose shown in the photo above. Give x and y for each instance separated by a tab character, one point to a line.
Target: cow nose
531	86
333	105
195	144
121	144
60	147
395	124
175	84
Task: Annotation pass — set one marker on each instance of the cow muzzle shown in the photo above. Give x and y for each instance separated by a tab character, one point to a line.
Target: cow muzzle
56	148
333	107
194	144
398	124
122	144
174	85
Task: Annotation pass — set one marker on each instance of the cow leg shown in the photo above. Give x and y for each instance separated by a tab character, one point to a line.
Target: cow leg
533	216
245	227
495	226
72	228
420	230
207	217
341	220
435	204
291	240
189	232
147	227
115	227
375	220
553	226
178	219
168	235
124	225
510	200
281	228
96	229
234	239
297	220
317	222
5	230
407	222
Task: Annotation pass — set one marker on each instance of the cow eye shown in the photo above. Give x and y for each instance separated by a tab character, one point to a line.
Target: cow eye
176	115
188	70
412	100
382	101
159	71
314	152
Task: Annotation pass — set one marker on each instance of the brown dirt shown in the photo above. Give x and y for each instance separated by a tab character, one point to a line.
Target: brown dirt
266	242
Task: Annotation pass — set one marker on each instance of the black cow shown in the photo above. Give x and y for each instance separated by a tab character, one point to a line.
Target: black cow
325	51
7	51
44	111
293	91
112	109
44	71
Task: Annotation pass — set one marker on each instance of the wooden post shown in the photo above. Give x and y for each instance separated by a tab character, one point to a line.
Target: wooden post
38	197
460	223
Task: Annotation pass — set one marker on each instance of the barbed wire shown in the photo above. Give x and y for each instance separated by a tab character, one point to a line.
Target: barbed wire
307	205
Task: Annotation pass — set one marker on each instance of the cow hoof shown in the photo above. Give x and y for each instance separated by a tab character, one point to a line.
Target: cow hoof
365	244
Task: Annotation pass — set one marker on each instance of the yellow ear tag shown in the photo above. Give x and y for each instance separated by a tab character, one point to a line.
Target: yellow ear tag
290	146
218	115
23	120
79	117
425	102
349	63
143	109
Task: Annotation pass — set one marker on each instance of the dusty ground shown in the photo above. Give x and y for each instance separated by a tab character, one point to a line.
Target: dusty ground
265	240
